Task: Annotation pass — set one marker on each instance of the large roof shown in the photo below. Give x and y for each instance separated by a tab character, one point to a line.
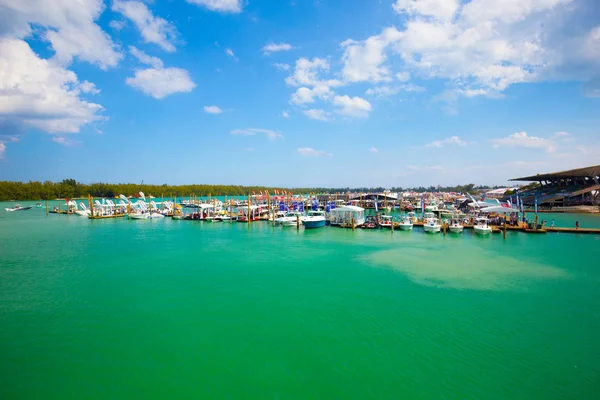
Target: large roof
572	173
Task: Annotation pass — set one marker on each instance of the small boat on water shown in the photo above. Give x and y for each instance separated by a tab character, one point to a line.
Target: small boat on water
482	227
314	219
39	205
406	223
455	225
18	207
385	221
431	224
370	223
291	219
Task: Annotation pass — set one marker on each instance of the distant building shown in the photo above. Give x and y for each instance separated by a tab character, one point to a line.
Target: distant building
497	193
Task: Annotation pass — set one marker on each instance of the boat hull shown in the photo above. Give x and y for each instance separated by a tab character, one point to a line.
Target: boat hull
456	229
313	224
406	227
432	228
482	230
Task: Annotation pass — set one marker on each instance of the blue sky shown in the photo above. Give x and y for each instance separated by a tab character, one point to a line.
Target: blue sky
298	93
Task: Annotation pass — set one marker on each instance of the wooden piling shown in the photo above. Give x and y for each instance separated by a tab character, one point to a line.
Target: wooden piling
297	222
504	230
536	222
46	208
91	203
248	209
353	226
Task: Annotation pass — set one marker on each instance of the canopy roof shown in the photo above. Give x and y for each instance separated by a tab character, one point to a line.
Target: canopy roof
590	172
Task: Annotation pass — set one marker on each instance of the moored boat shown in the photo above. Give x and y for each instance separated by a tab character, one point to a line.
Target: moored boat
314	219
431	224
406	223
455	226
482	227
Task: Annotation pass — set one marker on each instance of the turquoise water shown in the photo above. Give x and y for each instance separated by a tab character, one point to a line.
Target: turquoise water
188	309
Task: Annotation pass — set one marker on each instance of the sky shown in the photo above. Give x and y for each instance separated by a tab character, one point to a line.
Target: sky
302	93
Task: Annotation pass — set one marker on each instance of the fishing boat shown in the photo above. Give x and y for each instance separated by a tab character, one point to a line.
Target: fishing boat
406	223
455	225
385	221
482	227
431	224
314	219
18	207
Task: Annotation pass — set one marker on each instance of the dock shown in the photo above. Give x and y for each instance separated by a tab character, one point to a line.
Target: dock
574	230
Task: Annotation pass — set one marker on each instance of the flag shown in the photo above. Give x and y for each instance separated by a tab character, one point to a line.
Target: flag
422	204
376	206
536	205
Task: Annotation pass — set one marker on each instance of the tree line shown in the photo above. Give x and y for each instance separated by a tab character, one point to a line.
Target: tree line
70	188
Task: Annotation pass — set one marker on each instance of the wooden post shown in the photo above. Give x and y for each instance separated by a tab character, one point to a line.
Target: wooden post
504	230
46	208
91	203
353	227
297	222
392	224
536	222
248	209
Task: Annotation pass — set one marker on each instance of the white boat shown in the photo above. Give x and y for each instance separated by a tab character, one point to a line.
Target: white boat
314	219
385	221
84	212
481	227
406	223
455	225
146	215
431	224
291	219
18	207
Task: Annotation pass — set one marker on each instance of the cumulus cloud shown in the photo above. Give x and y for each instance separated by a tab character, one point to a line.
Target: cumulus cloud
373	150
145	58
522	139
224	6
152	28
309	152
212	110
275	47
387	91
320	115
41	93
352	106
453	140
69	26
271	135
364	61
285	114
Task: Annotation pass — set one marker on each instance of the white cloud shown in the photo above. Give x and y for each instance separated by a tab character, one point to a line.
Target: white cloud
145	58
364	61
306	71
161	82
212	110
42	94
305	95
442	10
271	135
352	106
522	139
68	25
2	150
117	25
320	115
224	6
451	140
386	91
309	152
153	29
373	150
64	141
285	114
281	66
403	76
231	54
273	48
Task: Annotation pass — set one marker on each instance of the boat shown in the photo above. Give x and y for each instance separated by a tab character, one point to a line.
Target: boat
314	219
291	219
455	225
481	226
347	216
39	205
406	223
18	207
370	223
431	224
386	221
146	215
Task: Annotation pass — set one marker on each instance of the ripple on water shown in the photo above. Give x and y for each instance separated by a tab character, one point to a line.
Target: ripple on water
474	269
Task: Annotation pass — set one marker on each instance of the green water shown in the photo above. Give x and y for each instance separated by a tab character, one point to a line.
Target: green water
187	309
